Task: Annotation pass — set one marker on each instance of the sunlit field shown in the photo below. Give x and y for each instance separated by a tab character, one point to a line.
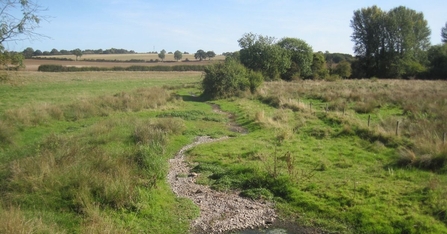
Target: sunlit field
87	152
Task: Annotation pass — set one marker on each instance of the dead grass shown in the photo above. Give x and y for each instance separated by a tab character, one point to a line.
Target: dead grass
423	105
14	221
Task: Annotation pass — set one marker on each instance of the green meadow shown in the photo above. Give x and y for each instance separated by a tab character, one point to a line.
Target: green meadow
87	152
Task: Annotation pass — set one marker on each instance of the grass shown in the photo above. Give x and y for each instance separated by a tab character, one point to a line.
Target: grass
88	152
330	169
96	163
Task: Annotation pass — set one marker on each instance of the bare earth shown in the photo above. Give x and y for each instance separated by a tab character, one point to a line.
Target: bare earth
219	212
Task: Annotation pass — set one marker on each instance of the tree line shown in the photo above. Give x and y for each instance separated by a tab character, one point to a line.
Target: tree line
387	44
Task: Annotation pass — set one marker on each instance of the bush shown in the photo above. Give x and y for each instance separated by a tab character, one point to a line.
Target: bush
227	79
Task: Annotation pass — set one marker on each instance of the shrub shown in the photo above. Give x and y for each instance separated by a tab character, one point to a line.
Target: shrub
223	80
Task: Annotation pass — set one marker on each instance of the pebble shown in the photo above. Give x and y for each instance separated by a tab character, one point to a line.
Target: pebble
219	212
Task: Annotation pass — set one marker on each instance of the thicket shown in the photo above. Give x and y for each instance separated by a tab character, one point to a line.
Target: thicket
60	68
223	80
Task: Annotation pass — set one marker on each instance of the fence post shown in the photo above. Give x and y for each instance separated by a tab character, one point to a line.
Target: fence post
310	107
443	138
397	128
369	119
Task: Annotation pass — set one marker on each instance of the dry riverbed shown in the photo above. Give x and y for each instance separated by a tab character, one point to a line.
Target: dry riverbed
219	212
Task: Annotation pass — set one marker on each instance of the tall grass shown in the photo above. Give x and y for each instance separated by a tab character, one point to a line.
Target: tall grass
142	98
422	106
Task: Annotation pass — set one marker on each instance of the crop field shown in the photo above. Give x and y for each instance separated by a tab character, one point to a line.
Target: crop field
116	60
87	152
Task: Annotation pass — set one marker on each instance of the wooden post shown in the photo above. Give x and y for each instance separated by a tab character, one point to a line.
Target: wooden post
369	119
397	128
327	108
310	107
443	138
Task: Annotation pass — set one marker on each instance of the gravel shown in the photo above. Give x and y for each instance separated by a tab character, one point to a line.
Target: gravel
219	212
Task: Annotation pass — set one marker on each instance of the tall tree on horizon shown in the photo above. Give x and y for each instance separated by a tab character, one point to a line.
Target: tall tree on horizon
390	44
444	33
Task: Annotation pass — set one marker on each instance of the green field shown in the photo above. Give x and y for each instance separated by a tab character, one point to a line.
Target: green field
87	152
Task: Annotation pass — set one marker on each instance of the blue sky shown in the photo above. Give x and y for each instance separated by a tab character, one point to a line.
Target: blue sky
207	24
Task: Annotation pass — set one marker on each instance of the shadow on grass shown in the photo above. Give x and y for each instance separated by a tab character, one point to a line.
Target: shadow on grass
191	98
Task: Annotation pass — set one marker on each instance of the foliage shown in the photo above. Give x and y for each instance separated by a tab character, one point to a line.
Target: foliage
22	22
210	54
77	53
437	55
260	53
9	61
227	79
444	33
343	69
200	55
301	58
162	54
386	42
178	55
319	68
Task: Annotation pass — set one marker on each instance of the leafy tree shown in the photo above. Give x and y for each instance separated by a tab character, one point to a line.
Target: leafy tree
77	53
54	52
64	52
178	55
319	69
200	54
210	55
223	80
38	53
162	55
444	33
19	19
28	53
261	53
437	56
343	69
9	61
301	58
390	44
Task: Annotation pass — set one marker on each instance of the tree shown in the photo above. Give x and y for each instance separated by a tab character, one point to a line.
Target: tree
444	33
54	52
162	55
437	56
77	53
210	55
390	44
19	19
28	53
301	58
178	55
319	69
200	54
223	80
343	69
261	53
38	53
